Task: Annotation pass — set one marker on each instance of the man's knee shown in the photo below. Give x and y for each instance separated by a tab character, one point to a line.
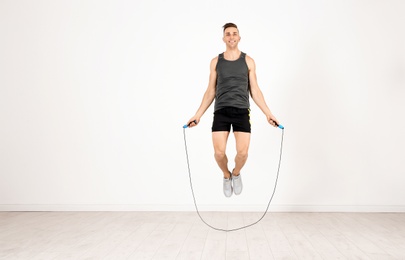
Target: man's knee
219	155
242	154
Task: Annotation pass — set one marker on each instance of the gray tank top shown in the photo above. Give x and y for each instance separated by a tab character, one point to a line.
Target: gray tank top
232	88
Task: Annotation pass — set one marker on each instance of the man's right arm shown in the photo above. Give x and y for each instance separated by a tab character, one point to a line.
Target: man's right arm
209	94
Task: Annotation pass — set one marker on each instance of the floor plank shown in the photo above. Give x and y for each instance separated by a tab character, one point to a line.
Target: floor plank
279	245
193	246
215	245
236	244
256	238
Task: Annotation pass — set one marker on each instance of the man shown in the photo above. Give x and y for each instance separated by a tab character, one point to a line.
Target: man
232	78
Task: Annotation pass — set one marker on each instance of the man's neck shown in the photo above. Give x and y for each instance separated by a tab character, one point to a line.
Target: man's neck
232	54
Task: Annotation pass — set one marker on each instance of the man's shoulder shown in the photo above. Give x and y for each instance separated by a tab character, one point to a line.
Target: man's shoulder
213	64
214	60
248	58
250	62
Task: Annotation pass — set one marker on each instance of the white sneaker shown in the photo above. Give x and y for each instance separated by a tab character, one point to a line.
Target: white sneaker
237	184
228	187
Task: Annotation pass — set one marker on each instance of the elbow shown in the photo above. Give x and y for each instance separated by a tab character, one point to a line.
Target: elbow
253	94
210	94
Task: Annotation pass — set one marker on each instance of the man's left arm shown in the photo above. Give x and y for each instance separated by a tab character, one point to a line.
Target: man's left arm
257	94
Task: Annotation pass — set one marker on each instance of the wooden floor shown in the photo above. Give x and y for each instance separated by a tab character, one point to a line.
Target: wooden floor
181	235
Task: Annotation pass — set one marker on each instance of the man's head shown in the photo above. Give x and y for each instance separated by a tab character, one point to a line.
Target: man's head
231	35
228	25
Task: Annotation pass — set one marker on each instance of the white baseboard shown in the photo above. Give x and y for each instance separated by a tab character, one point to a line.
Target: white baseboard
166	207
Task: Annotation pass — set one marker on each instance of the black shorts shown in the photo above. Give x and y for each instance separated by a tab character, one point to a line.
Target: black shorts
238	118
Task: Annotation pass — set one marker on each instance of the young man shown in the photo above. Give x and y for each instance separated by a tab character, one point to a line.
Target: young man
232	78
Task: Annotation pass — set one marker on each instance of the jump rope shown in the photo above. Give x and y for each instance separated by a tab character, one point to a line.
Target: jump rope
192	190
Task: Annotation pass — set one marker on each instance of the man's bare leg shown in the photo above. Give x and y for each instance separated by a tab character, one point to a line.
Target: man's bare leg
242	147
219	140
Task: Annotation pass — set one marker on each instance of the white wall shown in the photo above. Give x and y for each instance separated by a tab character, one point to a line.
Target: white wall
93	96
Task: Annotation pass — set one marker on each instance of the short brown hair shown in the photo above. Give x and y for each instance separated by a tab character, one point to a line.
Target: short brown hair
227	25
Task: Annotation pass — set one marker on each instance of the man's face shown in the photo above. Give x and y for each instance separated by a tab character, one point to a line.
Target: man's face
231	37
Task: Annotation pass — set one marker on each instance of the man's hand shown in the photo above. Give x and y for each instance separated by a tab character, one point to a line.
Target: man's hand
272	120
192	122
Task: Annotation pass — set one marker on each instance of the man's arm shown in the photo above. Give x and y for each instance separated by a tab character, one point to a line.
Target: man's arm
257	94
209	94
